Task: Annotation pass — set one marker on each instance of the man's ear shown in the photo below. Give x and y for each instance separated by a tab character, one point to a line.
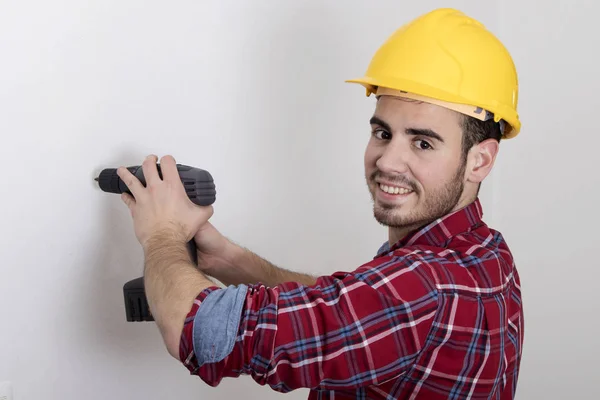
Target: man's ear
481	160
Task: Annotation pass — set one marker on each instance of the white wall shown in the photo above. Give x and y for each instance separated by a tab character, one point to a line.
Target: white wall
89	85
546	196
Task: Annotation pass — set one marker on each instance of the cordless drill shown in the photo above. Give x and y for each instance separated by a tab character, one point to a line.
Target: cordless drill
200	188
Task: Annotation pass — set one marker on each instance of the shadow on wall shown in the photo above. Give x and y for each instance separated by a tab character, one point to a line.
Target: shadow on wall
115	257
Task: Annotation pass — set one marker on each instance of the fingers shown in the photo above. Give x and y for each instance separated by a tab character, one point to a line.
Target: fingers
133	184
128	200
168	167
150	170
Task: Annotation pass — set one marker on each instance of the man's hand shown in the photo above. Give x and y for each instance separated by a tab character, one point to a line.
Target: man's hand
215	251
162	207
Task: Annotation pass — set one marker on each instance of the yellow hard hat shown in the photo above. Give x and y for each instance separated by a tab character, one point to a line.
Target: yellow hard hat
447	58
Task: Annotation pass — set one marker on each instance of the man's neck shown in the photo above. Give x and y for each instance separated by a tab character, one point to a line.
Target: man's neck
395	234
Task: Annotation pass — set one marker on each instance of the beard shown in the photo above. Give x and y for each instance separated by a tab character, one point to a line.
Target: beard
438	202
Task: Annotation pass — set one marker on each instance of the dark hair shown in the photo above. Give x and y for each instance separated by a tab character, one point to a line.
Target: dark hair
476	131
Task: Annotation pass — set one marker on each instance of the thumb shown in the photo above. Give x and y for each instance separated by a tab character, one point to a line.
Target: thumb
204	229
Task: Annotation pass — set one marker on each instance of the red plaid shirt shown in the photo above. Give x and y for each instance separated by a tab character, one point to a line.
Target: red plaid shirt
437	316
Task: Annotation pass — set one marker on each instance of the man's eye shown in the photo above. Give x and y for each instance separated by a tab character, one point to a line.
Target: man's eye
423	145
381	134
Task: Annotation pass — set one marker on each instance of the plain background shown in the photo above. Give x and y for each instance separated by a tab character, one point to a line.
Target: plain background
254	92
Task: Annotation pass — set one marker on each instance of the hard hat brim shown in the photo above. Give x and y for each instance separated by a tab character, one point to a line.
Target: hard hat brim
371	84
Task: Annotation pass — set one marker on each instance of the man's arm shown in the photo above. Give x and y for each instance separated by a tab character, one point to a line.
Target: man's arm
349	330
172	282
247	267
164	217
232	264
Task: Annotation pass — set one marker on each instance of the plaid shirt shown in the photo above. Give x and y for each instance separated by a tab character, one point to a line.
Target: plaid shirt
436	316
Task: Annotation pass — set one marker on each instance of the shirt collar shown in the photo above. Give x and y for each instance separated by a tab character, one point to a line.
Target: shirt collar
439	232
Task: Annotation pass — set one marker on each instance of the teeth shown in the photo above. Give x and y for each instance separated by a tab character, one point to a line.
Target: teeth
394	190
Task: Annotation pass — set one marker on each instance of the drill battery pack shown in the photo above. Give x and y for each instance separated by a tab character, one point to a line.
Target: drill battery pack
136	303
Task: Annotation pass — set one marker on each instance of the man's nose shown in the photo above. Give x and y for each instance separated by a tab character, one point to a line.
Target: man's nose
394	159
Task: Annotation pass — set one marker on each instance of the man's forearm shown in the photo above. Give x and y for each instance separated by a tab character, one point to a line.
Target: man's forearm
260	269
172	282
249	268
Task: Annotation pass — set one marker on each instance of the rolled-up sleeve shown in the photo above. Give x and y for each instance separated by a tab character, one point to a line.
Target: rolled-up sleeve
216	324
346	331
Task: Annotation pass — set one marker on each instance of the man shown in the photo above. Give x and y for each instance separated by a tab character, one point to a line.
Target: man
436	314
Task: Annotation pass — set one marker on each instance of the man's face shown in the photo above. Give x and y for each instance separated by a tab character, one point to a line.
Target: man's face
413	162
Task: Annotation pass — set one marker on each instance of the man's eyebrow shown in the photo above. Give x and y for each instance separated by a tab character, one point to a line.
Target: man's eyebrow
409	131
378	121
424	132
